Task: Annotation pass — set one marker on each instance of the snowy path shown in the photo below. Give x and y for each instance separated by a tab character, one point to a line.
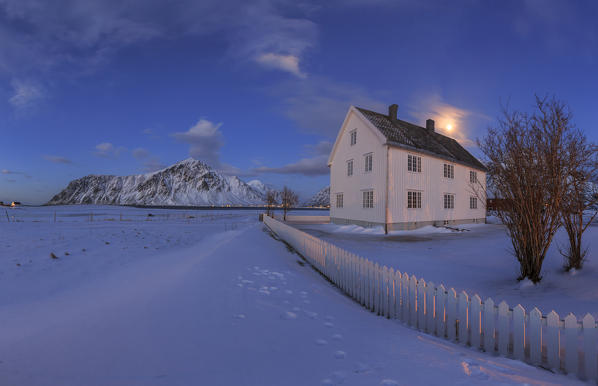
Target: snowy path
236	309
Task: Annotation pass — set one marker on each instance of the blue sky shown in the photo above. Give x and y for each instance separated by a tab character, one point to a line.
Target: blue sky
259	89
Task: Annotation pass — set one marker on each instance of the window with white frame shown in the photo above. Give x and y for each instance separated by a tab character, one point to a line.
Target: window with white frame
449	201
350	167
473	202
368	162
353	139
339	200
473	177
449	171
414	163
368	198
414	199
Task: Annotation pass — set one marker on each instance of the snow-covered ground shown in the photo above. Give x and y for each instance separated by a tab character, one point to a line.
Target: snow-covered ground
477	260
199	297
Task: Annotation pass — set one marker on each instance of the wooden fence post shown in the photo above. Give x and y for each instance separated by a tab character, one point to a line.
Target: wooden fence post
535	336
451	315
519	332
430	307
392	289
413	301
421	304
475	322
503	328
589	341
552	340
463	317
440	311
489	317
405	298
571	331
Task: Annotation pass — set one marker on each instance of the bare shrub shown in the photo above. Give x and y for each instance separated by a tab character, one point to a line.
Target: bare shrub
527	166
288	200
270	202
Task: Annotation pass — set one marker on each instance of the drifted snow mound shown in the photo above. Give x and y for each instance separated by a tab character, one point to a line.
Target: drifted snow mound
189	182
322	198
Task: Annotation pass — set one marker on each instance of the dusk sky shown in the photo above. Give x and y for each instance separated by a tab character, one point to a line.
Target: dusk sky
260	89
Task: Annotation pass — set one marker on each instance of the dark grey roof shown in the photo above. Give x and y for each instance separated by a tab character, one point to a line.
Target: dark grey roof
405	134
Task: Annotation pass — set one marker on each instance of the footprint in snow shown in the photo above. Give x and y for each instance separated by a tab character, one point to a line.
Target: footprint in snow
296	309
337	337
240	316
321	342
329	317
389	382
311	315
303	294
329	325
288	292
340	354
306	301
361	368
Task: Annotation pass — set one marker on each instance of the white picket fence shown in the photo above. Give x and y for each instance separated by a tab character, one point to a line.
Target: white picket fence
568	345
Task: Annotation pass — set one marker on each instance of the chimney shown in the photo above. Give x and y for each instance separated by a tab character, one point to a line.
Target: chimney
430	125
392	112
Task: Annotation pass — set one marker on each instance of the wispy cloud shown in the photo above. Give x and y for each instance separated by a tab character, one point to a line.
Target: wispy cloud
150	162
25	94
108	150
57	159
289	63
316	165
450	120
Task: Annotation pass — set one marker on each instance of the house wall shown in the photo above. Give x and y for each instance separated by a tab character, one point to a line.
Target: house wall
368	140
433	185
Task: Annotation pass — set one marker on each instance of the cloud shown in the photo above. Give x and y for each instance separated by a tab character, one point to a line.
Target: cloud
318	105
205	141
445	115
289	63
66	38
316	165
57	159
6	171
108	150
150	163
25	94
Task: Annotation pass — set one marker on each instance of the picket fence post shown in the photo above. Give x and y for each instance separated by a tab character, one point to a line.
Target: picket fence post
589	340
421	304
463	317
489	317
405	298
535	336
571	331
475	321
451	315
519	332
441	311
503	328
413	301
552	340
430	307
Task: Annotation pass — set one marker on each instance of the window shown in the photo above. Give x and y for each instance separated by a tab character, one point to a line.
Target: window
414	200
339	200
368	199
473	177
353	140
473	203
414	163
449	201
449	171
350	167
368	162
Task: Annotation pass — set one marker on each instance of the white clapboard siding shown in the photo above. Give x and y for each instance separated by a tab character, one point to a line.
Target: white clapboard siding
562	345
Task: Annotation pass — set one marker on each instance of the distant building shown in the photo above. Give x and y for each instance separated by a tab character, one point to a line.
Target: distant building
385	171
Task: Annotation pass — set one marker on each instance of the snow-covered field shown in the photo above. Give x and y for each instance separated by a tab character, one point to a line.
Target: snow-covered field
199	298
477	260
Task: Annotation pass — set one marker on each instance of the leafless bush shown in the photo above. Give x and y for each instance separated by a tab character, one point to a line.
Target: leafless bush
289	199
581	196
527	164
270	202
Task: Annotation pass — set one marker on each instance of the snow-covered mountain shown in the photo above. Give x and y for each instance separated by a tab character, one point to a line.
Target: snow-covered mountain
189	182
322	198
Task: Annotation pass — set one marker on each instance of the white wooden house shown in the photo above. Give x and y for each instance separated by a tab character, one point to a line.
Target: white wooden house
385	171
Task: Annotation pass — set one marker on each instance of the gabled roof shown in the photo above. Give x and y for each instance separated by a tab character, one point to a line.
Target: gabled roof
407	135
